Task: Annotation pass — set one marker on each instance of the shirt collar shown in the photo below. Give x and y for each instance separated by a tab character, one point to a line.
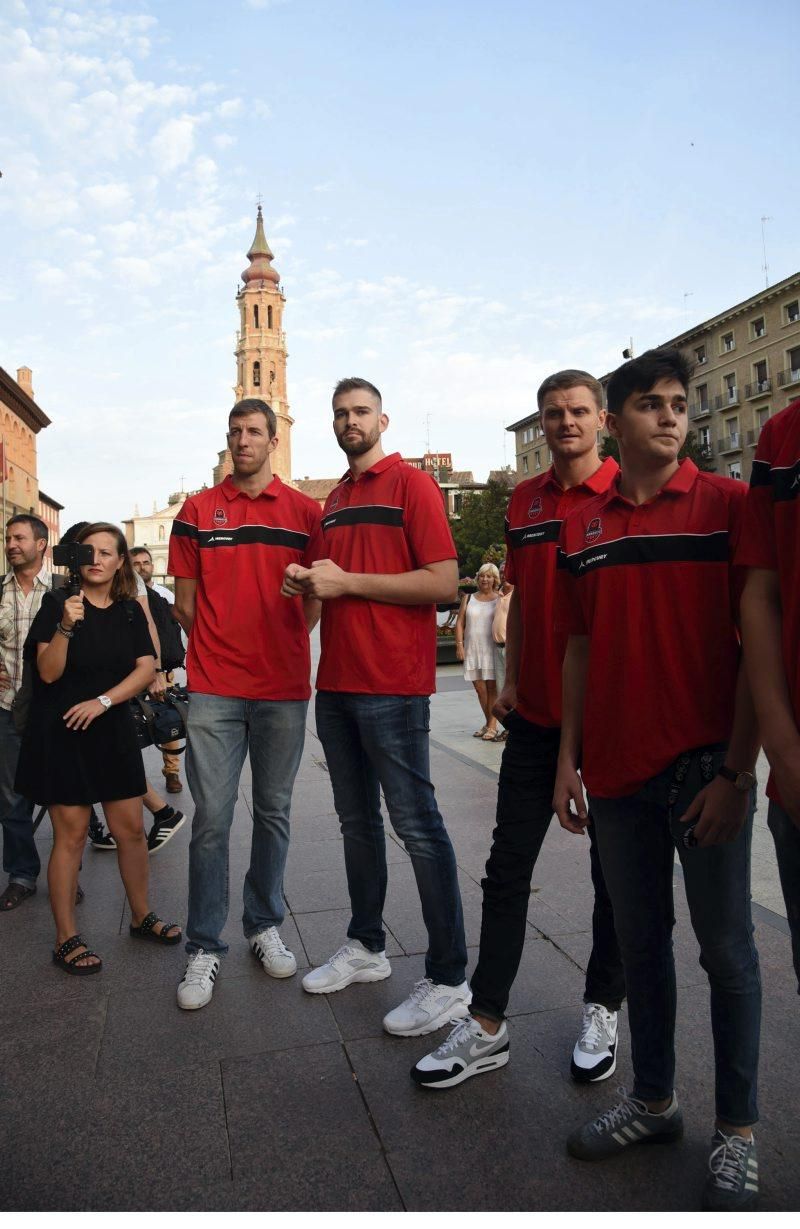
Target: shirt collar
42	577
385	463
598	482
231	492
680	483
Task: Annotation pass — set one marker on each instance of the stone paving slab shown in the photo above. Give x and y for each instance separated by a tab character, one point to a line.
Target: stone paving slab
273	1099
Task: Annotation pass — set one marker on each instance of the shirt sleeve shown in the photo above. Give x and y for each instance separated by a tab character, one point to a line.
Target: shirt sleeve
141	587
184	543
43	627
509	573
316	545
425	521
756	547
569	616
142	644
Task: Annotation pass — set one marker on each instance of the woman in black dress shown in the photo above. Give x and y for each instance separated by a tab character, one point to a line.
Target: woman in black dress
92	653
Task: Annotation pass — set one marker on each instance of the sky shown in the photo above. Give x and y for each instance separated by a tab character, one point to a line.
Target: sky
461	197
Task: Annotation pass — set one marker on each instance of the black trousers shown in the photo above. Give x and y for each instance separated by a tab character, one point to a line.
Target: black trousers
524	812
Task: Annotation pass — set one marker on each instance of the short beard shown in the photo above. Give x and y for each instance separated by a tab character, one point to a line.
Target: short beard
357	448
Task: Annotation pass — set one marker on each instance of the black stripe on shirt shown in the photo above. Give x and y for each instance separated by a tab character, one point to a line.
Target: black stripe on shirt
182	529
252	535
786	483
534	535
651	548
368	514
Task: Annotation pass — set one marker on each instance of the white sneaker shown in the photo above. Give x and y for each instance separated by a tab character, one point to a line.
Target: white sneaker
427	1008
595	1055
352	962
198	981
275	957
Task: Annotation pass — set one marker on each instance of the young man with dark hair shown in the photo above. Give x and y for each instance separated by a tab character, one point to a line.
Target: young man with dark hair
658	715
771	631
23	588
249	668
529	705
390	559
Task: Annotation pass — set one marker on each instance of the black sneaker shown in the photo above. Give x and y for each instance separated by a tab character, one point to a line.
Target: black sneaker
732	1181
164	831
629	1122
98	837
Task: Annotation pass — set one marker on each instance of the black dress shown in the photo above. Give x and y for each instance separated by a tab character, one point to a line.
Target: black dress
103	763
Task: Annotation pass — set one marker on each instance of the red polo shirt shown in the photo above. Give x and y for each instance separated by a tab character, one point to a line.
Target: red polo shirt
391	519
533	523
246	640
771	535
651	585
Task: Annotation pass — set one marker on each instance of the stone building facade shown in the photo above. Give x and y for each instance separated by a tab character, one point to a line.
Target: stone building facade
21	420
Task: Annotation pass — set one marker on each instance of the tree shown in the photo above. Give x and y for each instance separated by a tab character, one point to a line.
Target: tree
481	526
692	448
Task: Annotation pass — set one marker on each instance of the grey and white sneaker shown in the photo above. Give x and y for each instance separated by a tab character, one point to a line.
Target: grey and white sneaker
629	1122
428	1007
595	1055
197	986
468	1050
352	962
732	1181
275	957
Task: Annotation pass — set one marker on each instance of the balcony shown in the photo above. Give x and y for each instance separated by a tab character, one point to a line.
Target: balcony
730	443
727	399
757	388
752	436
699	410
790	376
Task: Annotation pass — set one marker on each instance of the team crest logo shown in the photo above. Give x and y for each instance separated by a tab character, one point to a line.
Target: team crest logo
535	508
219	518
334	502
594	529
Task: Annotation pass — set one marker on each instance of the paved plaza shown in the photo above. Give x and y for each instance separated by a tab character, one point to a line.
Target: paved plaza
269	1098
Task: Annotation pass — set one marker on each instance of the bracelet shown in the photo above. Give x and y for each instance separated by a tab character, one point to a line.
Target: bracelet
64	631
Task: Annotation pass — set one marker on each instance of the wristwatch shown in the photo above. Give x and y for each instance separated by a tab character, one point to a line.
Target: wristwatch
106	701
743	781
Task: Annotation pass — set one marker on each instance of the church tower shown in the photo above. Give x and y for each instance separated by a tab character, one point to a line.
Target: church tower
261	349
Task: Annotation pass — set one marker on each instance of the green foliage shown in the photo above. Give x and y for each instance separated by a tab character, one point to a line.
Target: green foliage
479	534
702	457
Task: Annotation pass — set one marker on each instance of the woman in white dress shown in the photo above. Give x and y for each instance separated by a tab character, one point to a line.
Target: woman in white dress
475	645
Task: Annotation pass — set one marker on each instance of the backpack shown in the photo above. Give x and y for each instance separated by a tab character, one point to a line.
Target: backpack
173	653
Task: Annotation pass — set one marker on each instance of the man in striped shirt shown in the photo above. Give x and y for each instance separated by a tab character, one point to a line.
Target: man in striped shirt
23	588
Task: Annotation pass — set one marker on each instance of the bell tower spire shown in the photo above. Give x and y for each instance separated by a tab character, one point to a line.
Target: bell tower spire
261	347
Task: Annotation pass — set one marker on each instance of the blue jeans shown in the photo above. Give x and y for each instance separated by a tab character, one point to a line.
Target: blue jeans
221	730
20	857
381	742
787	850
637	837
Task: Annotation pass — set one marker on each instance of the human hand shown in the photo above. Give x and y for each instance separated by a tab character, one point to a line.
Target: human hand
718	812
158	687
73	612
81	716
296	581
506	700
568	789
5	679
327	580
460	652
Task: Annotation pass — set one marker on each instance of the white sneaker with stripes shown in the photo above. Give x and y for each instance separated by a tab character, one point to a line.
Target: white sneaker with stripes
270	949
626	1123
197	986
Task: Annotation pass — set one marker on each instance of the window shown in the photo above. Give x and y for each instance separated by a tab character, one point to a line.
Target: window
731	394
735	470
702	396
256	375
255	316
792	312
794	363
727	342
761	377
161	533
761	416
704	437
732	427
537	456
269	317
758	328
700	354
524	465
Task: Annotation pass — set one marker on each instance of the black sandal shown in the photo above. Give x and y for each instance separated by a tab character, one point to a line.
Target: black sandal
71	966
145	931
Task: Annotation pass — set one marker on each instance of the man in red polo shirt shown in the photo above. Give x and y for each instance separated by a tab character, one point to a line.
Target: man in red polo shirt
771	632
390	558
249	668
529	705
658	713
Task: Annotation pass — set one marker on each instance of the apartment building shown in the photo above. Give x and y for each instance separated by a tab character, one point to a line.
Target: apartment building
530	448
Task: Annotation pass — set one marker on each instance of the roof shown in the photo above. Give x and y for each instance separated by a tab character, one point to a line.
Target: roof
509	476
460	477
523	422
21	404
53	503
316	488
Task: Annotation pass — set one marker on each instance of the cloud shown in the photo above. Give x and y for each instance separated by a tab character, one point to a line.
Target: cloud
223	140
109	195
230	108
173	143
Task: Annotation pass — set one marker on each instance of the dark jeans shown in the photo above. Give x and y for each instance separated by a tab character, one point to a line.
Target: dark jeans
637	837
381	742
524	812
787	850
20	857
